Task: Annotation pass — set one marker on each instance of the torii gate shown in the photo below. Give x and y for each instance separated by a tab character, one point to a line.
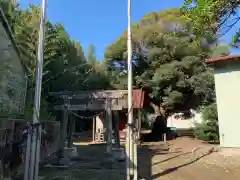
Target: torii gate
32	170
111	101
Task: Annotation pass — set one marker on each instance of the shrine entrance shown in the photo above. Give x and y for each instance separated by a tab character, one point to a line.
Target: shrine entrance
109	114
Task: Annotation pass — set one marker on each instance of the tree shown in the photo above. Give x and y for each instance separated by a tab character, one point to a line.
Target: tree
220	50
98	78
91	58
211	16
208	129
167	61
65	67
26	34
10	9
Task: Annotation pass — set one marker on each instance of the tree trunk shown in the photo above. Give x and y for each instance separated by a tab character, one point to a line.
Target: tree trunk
156	109
160	122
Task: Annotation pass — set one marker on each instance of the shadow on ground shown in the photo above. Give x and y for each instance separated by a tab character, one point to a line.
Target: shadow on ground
93	163
146	155
175	168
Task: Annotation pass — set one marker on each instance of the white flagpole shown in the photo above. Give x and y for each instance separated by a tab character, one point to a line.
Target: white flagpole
129	137
32	167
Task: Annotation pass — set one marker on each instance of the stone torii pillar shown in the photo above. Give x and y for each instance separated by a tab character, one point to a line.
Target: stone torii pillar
94	130
63	133
109	125
70	130
116	128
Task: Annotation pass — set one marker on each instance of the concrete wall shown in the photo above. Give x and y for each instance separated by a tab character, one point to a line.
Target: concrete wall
103	126
227	82
12	77
99	123
180	123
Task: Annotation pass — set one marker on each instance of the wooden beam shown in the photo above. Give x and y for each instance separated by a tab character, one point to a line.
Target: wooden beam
84	107
118	97
110	94
101	94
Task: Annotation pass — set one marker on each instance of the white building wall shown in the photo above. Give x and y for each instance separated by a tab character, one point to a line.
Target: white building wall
181	123
99	123
227	83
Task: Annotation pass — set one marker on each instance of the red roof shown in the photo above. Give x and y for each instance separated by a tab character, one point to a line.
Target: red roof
140	98
224	58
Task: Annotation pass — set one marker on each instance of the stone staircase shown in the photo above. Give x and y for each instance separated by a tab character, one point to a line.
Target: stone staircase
100	136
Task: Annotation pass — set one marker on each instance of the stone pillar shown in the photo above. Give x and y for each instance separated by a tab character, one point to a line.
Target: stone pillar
109	125
63	133
70	130
94	130
116	128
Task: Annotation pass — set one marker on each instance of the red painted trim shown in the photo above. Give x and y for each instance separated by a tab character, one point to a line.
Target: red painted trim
224	58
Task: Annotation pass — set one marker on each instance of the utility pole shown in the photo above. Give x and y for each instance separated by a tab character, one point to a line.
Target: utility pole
34	139
129	138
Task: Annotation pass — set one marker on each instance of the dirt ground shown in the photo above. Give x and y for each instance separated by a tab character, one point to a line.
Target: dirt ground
91	164
181	159
189	159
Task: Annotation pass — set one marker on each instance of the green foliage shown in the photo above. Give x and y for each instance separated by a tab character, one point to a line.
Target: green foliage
208	129
220	50
65	66
12	74
236	40
211	16
167	60
206	12
91	58
9	7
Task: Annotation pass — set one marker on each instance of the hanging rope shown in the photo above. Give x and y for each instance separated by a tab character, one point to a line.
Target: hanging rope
85	117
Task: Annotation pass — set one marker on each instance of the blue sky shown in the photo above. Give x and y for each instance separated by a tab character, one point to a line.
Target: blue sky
100	22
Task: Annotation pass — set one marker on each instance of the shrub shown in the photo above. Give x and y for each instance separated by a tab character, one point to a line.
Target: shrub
208	129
